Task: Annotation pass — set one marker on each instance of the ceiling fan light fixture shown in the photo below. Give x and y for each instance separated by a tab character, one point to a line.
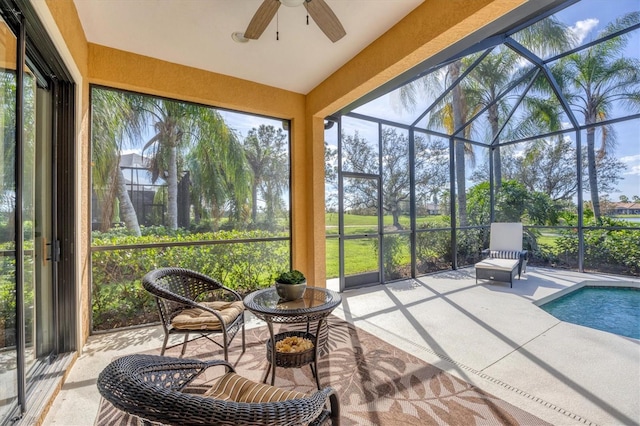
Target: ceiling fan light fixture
239	37
292	3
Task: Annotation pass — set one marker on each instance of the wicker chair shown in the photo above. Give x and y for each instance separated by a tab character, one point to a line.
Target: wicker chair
156	389
193	303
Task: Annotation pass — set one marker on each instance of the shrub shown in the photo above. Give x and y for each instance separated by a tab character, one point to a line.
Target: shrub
118	298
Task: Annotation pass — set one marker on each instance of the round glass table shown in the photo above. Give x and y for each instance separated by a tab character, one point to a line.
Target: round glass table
315	305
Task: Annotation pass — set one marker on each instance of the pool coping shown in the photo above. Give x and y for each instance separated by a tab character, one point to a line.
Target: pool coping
587	283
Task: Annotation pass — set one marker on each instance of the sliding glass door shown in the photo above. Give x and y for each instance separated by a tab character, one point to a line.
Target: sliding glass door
8	284
36	110
19	300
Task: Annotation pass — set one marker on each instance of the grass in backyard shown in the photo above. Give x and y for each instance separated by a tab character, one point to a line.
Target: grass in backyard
359	224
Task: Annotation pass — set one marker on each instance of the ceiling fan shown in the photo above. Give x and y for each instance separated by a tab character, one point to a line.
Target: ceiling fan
318	9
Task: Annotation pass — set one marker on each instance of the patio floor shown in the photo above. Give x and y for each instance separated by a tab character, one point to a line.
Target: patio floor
488	334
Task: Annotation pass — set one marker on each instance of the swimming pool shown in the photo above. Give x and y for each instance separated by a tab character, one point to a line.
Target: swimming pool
612	309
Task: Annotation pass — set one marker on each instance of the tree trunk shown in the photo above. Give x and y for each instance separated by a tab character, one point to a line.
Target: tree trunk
396	219
497	162
461	183
458	120
127	212
172	189
593	175
254	206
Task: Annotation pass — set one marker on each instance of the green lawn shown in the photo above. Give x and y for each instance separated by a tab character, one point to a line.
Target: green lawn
362	254
358	224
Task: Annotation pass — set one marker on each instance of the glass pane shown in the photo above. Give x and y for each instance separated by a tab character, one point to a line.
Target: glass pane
160	165
331	199
431	159
600	82
8	390
465	155
433	249
586	21
360	206
470	243
331	179
361	258
396	257
360	146
395	179
627	191
566	248
612	250
28	217
119	299
610	162
332	258
168	172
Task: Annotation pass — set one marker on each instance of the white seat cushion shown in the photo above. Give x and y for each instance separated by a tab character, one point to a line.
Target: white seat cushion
498	264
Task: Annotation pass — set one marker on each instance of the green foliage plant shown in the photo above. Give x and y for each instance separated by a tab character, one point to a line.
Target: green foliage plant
233	257
291	277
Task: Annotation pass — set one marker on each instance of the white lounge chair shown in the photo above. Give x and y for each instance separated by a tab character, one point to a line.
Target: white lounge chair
505	256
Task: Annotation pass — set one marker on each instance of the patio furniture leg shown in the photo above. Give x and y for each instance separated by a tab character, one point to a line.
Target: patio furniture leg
164	343
243	344
266	374
184	344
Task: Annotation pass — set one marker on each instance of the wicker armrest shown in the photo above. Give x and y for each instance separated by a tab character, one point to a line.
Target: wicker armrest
150	387
159	371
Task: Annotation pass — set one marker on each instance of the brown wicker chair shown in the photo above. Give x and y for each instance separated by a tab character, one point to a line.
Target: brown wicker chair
193	303
156	389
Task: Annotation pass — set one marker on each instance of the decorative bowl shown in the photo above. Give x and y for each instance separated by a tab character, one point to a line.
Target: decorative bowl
291	291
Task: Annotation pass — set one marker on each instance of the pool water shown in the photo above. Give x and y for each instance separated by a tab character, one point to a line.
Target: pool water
612	309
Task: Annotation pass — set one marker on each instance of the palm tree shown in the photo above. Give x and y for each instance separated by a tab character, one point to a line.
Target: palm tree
171	123
495	73
178	127
219	174
483	88
113	128
592	81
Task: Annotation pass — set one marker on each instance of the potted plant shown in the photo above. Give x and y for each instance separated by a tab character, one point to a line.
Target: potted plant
291	285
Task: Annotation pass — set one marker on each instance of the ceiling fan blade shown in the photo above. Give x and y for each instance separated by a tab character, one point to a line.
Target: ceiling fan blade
326	19
261	19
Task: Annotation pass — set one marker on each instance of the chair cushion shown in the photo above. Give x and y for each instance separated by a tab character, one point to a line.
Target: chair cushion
199	319
498	264
233	387
504	254
506	236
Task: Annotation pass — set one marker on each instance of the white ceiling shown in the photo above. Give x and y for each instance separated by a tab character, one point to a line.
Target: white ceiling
197	33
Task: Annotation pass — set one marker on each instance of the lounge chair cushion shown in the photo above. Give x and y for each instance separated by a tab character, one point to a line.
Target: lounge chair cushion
232	387
199	319
504	254
498	264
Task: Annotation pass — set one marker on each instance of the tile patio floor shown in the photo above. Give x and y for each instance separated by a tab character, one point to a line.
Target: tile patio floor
488	334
